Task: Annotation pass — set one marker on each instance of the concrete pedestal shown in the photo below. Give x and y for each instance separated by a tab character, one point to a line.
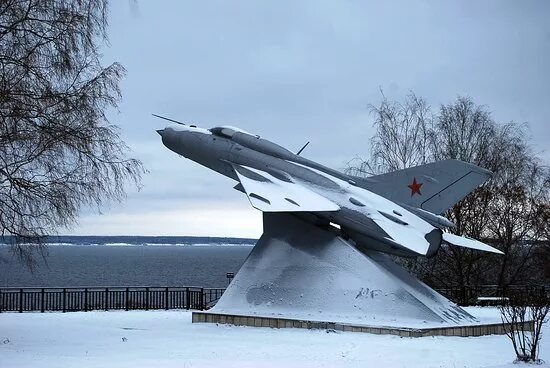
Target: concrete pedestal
303	272
477	329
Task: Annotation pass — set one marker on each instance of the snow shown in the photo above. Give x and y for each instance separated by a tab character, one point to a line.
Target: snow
169	339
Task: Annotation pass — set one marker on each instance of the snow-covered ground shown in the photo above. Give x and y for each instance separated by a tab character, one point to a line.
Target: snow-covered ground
169	339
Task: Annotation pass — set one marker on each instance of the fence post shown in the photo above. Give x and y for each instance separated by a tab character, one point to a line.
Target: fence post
126	298
85	299
42	300
146	298
202	299
64	299
166	298
106	299
20	300
187	298
1	301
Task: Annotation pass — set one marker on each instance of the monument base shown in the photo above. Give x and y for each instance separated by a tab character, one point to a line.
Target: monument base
303	275
255	321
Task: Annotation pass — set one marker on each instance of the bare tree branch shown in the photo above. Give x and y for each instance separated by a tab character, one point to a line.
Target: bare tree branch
58	150
511	210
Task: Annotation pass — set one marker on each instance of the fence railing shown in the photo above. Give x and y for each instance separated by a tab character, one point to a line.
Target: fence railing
145	298
106	298
490	294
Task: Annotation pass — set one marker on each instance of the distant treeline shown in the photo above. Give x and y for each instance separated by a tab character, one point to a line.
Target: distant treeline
134	240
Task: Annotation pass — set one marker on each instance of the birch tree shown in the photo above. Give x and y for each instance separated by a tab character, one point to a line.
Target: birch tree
59	152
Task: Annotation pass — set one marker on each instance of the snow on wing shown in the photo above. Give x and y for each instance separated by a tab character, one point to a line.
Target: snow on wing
268	193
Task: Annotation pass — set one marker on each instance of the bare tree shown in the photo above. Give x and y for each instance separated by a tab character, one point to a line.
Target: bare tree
505	211
464	131
58	150
542	253
517	313
520	191
401	139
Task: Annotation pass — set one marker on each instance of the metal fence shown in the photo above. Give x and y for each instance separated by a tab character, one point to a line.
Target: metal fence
145	298
107	298
490	294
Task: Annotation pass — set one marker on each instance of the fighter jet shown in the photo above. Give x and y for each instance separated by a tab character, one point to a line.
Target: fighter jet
397	213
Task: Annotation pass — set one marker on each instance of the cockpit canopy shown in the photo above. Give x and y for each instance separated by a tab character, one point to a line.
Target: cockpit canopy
229	131
252	141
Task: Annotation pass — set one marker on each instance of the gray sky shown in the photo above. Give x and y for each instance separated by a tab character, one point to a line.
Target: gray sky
294	71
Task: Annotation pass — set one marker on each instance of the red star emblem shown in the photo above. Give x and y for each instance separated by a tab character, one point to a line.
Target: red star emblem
415	187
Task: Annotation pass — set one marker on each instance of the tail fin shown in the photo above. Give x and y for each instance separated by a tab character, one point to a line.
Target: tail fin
434	187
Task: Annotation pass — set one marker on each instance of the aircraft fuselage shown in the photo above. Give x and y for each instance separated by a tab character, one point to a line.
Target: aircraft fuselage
221	153
397	212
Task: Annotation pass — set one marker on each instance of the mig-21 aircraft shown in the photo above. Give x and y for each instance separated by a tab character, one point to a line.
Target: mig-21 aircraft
398	212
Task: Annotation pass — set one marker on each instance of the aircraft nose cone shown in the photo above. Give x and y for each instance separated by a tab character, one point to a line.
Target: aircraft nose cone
160	131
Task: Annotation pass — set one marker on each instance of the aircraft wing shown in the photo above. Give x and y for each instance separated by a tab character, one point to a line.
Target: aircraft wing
277	192
405	235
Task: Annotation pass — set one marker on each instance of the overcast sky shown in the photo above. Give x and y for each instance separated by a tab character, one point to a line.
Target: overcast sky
294	71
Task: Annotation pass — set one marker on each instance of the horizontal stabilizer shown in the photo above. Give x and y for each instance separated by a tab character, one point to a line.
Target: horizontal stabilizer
268	193
468	243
